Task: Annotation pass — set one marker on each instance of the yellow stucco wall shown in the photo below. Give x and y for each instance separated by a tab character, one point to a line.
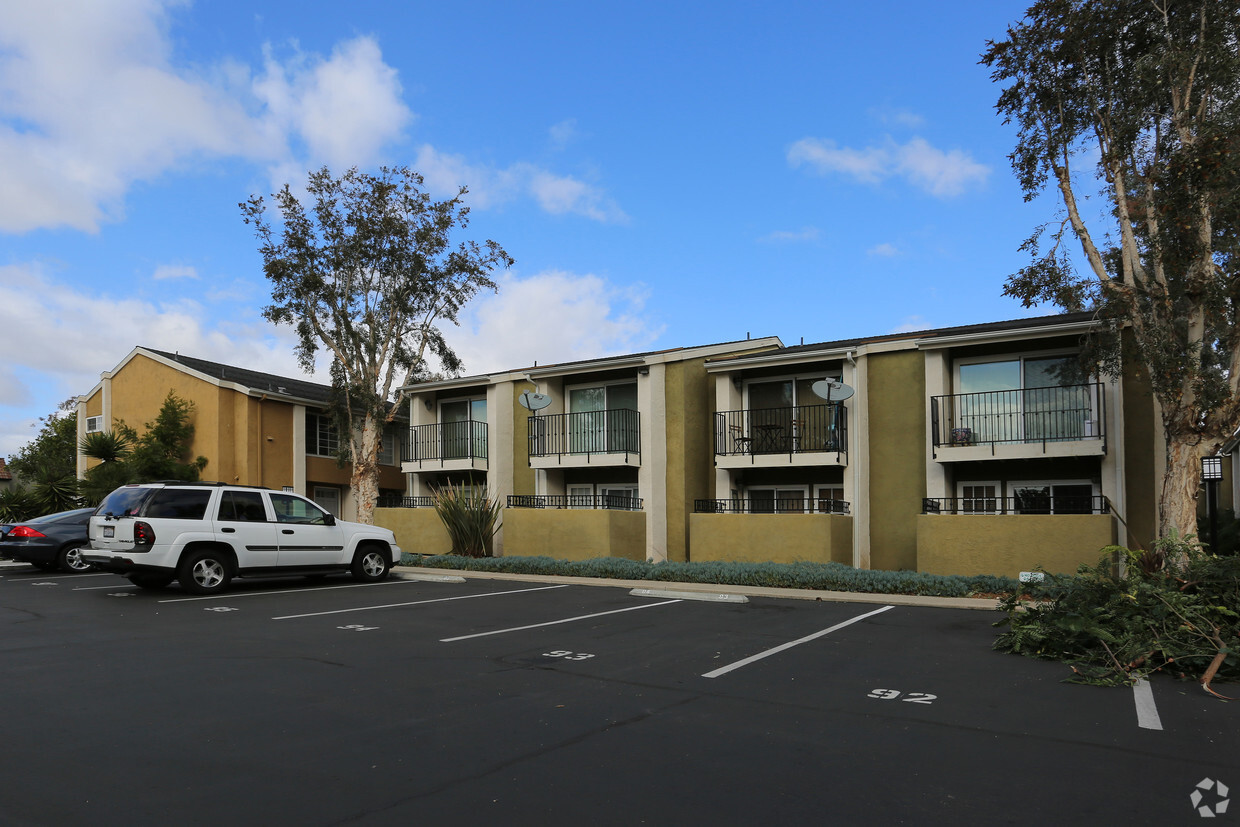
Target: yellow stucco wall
771	538
1011	543
574	534
417	530
897	464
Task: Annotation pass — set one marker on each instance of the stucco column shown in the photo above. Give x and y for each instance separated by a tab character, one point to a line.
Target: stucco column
858	476
500	441
938	381
652	475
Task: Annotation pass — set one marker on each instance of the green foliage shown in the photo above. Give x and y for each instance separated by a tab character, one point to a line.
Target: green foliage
160	453
52	453
17	503
821	576
470	517
367	268
1134	614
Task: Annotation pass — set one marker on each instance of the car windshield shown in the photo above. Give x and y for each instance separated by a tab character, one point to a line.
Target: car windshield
124	502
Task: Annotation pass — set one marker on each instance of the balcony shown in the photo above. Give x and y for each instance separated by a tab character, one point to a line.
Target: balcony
1019	424
807	435
446	446
608	502
585	439
792	505
1029	503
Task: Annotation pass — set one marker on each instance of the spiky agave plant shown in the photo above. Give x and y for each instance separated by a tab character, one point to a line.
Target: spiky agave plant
470	517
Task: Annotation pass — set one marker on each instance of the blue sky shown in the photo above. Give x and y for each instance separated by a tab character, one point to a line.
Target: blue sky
665	174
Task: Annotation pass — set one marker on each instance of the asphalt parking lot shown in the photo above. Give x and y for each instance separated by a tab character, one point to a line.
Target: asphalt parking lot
329	702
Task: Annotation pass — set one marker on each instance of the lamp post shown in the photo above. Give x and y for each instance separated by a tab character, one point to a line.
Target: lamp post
1211	473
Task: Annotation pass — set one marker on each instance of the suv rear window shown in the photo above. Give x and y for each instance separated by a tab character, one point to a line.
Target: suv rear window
124	502
178	503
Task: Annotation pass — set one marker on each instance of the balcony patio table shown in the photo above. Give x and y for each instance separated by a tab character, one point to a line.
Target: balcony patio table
770	437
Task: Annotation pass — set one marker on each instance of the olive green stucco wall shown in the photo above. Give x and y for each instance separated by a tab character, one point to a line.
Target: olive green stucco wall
574	534
771	538
897	456
417	530
1011	543
690	453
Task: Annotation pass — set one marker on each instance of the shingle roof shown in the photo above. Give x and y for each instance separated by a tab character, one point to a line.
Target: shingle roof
252	379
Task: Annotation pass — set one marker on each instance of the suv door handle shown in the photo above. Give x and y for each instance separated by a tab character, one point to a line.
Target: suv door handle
228	531
286	531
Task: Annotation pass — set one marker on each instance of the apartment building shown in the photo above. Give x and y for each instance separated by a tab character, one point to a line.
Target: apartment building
974	449
254	428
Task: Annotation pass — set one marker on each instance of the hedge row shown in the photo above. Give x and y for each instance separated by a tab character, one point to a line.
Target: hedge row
819	576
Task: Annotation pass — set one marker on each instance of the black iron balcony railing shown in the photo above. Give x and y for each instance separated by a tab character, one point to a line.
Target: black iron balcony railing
447	441
611	502
1041	503
387	501
1034	415
799	430
586	433
784	505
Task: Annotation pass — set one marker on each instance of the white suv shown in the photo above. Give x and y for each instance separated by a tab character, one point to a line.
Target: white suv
203	534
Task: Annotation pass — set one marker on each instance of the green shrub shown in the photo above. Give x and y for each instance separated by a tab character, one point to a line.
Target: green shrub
470	517
818	576
1114	624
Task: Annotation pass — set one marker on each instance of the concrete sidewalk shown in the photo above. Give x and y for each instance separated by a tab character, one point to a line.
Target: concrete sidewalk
988	604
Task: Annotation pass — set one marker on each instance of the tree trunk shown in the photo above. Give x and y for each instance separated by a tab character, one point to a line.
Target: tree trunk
365	478
1177	510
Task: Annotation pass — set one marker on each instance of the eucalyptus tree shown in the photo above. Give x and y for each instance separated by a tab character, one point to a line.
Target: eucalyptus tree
1138	100
367	270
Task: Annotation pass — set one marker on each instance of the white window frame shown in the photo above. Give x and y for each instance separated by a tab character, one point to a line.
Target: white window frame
961	498
332	492
601	489
837	375
387	449
803	490
321	421
94	424
827	492
1090	426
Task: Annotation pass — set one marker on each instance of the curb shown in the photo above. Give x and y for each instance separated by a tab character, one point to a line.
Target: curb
981	603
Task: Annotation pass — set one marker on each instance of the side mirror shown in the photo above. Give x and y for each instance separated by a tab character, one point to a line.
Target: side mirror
328	518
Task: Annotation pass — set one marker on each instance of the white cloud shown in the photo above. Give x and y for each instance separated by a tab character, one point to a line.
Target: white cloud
942	174
174	271
92	100
895	116
883	250
553	316
911	324
563	133
803	234
488	186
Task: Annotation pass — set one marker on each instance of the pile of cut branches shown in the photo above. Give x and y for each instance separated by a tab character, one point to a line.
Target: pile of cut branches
1172	609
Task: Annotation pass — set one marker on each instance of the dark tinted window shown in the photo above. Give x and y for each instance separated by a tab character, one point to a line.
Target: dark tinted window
124	502
178	503
242	506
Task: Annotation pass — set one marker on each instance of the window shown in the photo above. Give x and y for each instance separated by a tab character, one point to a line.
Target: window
979	498
829	497
242	506
621	496
94	424
786	415
603	418
387	449
463	428
777	500
321	436
1053	497
291	509
1024	399
178	503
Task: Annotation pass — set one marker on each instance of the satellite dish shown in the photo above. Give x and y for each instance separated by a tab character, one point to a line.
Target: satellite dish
831	390
534	401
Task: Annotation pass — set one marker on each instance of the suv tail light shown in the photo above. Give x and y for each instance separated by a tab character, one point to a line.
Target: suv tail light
143	535
25	531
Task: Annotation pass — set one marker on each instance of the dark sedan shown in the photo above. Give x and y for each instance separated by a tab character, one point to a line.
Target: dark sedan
50	542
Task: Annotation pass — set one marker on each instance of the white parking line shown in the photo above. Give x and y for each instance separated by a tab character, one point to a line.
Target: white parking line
723	670
1147	712
419	602
230	595
557	622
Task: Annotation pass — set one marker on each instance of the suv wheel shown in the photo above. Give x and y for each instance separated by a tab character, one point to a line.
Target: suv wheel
70	559
204	572
370	564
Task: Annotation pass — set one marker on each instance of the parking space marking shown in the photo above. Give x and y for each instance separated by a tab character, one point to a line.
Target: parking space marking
419	602
1147	712
557	622
233	594
723	670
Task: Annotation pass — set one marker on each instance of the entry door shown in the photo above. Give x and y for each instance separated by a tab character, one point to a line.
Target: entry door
304	536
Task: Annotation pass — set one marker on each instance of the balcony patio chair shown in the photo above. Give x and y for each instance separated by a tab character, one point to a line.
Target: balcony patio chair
741	444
